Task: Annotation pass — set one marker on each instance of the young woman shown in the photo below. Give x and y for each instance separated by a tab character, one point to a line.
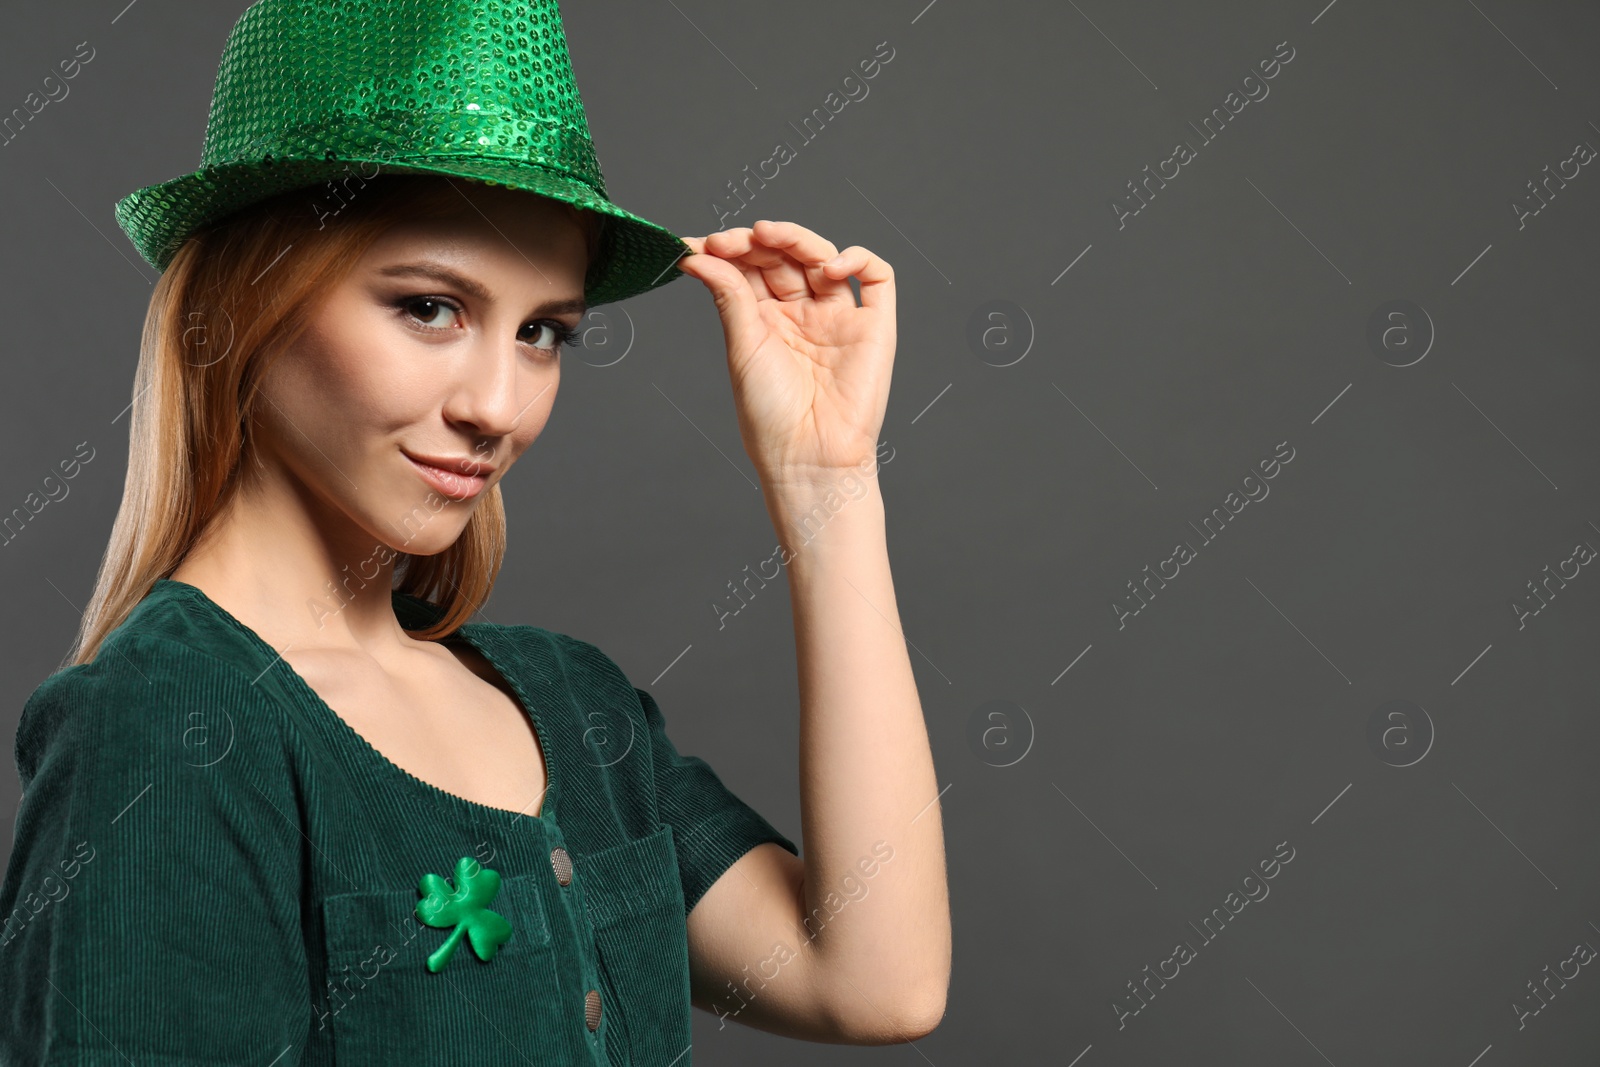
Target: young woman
288	803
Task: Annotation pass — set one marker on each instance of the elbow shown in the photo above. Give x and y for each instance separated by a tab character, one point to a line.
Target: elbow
908	1017
922	1015
889	1002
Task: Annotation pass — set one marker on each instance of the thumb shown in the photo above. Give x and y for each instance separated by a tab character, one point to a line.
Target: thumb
731	292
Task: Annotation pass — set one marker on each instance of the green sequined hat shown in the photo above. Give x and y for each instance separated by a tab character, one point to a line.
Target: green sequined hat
310	91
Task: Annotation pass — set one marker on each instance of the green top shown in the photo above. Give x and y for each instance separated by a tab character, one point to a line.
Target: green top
210	866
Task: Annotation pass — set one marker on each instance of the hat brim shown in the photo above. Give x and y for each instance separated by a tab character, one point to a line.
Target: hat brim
636	255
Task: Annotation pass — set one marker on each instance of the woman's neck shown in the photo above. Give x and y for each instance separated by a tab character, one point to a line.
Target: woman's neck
296	574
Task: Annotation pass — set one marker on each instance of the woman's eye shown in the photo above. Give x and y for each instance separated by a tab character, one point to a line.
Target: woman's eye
430	312
546	335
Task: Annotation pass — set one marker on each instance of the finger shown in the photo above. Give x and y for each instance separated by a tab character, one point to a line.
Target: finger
871	270
800	273
752	252
735	246
782	275
805	245
765	267
730	291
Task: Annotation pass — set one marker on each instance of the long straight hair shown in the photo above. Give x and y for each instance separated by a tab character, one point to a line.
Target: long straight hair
235	294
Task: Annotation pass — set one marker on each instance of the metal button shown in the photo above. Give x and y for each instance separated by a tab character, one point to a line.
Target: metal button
591	1009
562	864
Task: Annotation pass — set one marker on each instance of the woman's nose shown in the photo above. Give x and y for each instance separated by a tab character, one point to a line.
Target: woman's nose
495	389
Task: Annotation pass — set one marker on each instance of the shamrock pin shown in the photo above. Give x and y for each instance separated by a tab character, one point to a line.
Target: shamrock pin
466	907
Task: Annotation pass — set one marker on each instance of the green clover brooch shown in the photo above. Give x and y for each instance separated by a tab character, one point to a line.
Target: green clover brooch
465	907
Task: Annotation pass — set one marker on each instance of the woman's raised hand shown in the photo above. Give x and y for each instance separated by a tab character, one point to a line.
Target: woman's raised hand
810	369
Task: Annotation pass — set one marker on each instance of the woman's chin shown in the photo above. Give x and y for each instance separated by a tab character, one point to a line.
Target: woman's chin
421	524
430	542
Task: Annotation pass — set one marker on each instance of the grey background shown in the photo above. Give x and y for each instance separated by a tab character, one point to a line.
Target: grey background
1228	316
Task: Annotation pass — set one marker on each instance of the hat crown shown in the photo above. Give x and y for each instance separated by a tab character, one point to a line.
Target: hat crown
399	81
321	95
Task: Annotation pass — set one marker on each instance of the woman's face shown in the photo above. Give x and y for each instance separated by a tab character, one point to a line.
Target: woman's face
442	345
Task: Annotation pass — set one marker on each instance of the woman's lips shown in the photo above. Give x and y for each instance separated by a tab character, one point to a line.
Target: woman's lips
449	483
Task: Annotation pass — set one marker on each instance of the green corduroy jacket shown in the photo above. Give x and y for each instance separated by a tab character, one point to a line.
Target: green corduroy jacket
211	867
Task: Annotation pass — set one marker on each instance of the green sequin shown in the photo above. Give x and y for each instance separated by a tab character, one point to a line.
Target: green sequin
465	907
313	90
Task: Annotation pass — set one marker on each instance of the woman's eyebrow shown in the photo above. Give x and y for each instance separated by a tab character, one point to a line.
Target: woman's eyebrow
439	272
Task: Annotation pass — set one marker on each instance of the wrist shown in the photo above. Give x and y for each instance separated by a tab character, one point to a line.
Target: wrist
800	490
802	483
810	515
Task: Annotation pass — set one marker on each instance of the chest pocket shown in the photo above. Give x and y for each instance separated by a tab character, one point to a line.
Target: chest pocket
383	1005
634	900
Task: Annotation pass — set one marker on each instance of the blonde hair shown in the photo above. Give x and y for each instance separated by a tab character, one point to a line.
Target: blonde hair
208	336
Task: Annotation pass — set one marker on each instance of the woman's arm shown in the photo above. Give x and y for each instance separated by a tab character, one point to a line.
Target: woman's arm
158	867
851	943
864	918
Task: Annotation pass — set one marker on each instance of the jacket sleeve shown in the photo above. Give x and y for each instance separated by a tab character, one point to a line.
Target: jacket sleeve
711	826
151	905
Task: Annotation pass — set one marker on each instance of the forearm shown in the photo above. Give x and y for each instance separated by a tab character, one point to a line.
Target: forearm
879	942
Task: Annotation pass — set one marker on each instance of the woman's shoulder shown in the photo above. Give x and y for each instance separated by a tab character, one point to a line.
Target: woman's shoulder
543	649
556	662
162	678
177	622
164	644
